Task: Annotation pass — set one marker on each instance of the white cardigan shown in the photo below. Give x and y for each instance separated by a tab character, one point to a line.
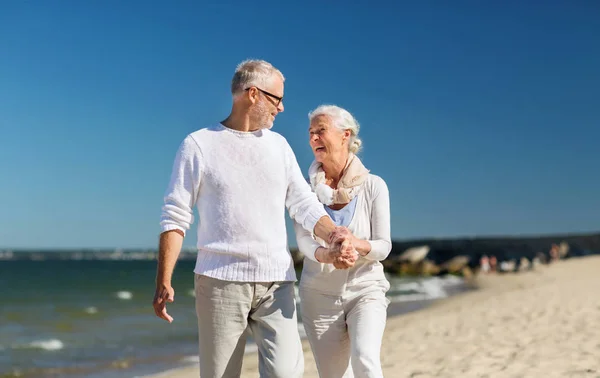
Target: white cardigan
371	221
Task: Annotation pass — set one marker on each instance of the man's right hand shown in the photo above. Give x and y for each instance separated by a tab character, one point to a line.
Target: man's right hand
164	293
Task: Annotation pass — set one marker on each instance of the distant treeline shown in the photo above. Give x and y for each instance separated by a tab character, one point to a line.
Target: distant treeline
504	248
539	243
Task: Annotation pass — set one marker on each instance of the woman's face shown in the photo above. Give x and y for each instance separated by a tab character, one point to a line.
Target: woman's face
327	141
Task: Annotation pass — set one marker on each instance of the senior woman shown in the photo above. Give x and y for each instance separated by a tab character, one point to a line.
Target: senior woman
344	310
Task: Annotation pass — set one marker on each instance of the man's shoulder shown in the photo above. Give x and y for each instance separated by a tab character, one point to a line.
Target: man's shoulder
200	135
204	131
279	142
276	136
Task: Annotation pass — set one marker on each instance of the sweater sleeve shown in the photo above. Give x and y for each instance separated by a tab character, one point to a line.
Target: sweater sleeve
381	242
302	204
182	191
306	242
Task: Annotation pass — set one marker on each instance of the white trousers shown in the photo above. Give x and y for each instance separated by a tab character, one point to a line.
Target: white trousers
345	332
226	309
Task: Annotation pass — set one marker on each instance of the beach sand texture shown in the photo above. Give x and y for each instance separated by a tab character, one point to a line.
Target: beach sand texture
543	323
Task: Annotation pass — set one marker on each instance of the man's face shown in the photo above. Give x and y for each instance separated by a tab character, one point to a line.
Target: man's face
269	103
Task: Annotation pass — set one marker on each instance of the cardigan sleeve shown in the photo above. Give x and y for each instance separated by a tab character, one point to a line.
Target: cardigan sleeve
381	243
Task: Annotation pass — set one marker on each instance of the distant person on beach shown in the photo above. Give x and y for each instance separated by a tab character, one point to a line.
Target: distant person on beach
344	311
485	264
493	263
242	176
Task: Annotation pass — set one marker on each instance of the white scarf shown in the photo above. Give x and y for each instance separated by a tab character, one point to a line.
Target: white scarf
353	176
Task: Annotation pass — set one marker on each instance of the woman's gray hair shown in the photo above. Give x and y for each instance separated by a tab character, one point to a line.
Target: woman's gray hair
343	120
253	72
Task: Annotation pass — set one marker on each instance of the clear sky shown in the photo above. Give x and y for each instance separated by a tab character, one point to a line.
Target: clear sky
482	118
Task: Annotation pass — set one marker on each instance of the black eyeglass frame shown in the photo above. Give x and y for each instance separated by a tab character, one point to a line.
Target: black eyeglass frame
277	98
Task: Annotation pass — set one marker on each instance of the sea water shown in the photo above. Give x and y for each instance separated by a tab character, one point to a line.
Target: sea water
94	318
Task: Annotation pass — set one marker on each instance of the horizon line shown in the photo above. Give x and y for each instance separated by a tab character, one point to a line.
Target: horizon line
415	239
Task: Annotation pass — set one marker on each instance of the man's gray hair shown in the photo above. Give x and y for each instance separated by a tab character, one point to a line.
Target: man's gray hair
253	72
343	120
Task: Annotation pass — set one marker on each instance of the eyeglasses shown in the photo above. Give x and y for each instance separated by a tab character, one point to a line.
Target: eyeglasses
276	98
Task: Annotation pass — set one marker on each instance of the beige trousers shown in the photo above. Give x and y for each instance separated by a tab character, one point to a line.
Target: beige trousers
226	309
345	332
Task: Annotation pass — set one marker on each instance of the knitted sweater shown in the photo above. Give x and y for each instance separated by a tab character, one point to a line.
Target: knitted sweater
241	184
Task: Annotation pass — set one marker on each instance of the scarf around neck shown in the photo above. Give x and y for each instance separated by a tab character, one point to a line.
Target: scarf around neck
353	176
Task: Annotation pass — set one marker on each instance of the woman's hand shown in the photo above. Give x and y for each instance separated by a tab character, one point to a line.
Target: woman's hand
340	234
346	257
342	256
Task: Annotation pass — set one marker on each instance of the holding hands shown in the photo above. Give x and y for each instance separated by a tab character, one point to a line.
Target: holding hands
341	234
341	252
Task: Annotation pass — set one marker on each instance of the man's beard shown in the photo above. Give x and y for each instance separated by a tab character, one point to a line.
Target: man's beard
261	116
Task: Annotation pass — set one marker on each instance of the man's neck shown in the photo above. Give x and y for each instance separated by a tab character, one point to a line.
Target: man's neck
239	123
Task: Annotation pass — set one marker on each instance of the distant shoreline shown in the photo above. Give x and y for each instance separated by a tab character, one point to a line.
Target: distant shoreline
592	237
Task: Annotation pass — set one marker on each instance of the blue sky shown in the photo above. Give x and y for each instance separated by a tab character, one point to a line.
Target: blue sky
483	118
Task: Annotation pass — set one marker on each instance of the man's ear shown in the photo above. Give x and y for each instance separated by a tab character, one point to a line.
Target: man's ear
252	95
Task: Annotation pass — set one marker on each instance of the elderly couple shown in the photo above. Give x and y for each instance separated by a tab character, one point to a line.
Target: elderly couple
242	176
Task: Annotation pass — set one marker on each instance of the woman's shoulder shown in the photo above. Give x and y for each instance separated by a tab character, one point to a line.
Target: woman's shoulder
374	185
375	181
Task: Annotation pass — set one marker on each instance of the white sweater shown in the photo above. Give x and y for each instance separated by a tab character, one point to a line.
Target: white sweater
241	183
371	221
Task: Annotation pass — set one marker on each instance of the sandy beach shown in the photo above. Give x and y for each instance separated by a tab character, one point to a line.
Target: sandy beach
542	323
